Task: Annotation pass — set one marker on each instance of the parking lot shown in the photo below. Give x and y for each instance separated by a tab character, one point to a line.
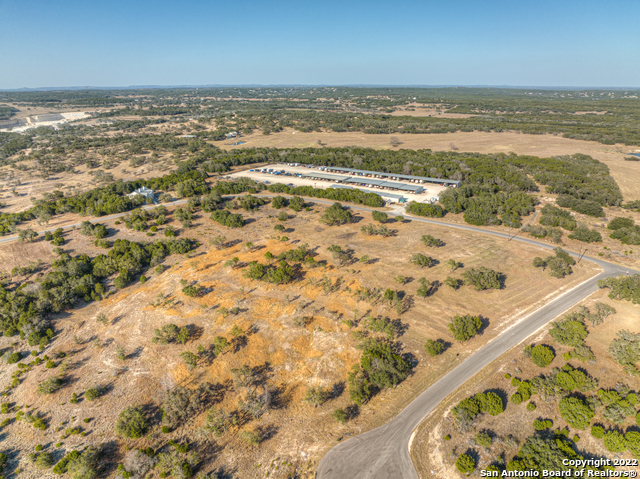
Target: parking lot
291	172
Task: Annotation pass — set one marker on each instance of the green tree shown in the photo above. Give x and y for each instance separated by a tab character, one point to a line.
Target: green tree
577	413
336	215
132	423
421	260
315	396
379	216
542	355
465	464
482	278
464	327
434	347
429	240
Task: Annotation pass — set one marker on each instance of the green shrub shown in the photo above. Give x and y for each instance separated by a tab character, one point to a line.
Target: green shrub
483	278
14	358
584	234
340	415
619	223
434	347
92	394
336	214
132	423
465	464
464	327
44	461
542	355
483	439
575	412
541	425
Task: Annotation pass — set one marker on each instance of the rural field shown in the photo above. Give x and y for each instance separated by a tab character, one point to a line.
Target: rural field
434	455
224	327
292	359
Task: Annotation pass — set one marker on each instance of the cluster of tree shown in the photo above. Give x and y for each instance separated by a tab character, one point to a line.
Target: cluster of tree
618	404
228	219
281	273
623	287
483	203
537	231
425	209
625	230
421	260
470	408
336	214
26	310
540	354
380	367
557	217
464	327
296	203
548	452
572	331
377	230
559	382
97	230
112	199
336	194
79	464
582	233
430	241
578	176
559	265
585	207
616	442
625	349
483	278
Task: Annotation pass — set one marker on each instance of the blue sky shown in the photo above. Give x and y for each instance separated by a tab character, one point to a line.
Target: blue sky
445	42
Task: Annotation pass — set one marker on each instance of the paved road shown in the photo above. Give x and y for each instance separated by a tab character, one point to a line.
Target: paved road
383	453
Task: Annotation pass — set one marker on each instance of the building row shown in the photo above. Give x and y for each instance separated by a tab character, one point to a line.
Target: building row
367	182
392	176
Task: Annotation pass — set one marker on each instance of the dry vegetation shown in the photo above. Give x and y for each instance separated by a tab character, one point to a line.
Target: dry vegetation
434	456
289	358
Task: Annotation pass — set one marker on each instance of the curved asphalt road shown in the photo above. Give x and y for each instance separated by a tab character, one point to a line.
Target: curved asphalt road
383	453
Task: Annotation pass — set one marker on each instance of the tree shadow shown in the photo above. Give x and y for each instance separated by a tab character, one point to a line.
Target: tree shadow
485	324
353	411
445	344
337	389
411	359
195	332
400	327
136	353
267	432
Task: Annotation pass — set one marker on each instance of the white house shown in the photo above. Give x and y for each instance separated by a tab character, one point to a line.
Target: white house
144	191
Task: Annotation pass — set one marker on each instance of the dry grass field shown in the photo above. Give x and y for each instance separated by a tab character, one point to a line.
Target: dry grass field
434	456
291	358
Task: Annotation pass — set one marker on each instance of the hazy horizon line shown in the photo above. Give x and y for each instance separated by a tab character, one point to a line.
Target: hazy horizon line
303	85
